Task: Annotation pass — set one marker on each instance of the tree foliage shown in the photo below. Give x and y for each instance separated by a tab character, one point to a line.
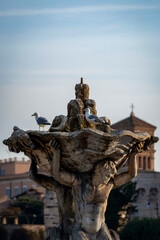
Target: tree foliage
141	229
19	234
28	210
120	205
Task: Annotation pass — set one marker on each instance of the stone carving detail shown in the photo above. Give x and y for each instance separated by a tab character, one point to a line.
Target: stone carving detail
82	161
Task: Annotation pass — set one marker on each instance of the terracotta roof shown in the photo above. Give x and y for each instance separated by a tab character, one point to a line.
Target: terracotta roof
131	122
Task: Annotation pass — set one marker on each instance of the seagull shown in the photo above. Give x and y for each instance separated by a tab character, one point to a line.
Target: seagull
41	121
93	118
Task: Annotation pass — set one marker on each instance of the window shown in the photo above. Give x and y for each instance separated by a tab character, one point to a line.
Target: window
149	163
24	188
2	172
144	162
140	162
153	194
16	191
141	194
8	192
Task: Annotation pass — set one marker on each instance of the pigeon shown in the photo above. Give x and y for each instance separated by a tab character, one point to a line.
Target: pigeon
93	118
41	121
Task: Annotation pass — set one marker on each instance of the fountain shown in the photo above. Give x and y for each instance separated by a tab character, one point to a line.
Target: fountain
82	162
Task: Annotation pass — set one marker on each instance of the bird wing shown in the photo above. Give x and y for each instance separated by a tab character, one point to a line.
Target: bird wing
105	120
42	120
95	118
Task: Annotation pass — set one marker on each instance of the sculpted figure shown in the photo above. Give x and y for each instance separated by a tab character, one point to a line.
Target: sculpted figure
90	189
65	202
20	141
90	192
94	154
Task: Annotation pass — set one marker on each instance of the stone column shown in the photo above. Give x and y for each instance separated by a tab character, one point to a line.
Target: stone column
51	216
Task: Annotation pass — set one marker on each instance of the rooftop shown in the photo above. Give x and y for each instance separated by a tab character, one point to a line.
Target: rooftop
133	122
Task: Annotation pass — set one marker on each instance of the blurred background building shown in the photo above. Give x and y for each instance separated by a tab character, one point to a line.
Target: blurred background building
148	201
14	178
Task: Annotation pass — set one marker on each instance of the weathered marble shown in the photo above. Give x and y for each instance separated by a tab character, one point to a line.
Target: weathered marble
82	160
80	150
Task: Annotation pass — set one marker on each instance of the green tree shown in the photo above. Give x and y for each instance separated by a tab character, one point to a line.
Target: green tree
120	204
141	229
28	210
31	209
11	213
19	234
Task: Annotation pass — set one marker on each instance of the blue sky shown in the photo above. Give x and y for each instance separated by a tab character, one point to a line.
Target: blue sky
46	46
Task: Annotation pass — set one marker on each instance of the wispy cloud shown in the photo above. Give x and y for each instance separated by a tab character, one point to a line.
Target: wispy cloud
87	9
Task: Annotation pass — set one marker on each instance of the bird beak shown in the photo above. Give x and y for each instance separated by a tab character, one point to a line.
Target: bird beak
32	115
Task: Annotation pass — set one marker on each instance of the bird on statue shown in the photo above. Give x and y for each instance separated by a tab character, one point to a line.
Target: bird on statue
41	121
93	118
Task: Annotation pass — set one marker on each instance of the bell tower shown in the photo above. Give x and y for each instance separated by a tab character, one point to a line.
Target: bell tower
145	160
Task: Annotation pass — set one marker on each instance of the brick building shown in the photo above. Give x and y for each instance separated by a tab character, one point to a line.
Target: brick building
145	160
14	178
148	201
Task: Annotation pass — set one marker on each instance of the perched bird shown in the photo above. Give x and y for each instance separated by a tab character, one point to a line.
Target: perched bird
93	118
41	121
105	120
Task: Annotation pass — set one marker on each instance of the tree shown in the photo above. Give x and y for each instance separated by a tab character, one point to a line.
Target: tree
28	210
25	234
32	209
11	213
141	229
120	205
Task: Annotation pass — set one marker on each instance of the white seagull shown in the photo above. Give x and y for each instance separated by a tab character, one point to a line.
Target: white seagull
93	118
41	121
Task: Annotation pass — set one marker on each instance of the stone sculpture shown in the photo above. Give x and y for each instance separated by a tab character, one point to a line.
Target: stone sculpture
82	161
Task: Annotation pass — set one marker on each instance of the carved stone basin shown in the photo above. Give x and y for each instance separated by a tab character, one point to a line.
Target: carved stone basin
82	144
80	150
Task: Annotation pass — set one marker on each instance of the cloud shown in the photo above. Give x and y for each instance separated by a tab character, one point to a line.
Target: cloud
87	9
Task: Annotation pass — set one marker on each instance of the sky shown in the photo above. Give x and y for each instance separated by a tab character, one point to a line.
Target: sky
47	46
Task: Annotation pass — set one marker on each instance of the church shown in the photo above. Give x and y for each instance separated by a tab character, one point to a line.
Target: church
148	201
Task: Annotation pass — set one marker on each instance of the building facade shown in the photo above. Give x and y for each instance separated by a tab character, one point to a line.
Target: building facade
14	178
145	160
148	201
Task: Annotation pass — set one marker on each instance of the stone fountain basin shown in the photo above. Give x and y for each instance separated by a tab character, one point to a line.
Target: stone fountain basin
80	150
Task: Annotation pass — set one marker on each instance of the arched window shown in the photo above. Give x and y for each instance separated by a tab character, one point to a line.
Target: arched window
141	194
153	194
144	162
